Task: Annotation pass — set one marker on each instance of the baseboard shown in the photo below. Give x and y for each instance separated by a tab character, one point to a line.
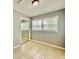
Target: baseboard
48	44
41	43
24	42
16	46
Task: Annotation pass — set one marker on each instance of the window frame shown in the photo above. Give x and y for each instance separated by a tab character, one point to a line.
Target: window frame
42	25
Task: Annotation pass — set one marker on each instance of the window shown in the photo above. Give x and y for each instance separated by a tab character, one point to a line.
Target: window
51	23
46	24
36	25
24	25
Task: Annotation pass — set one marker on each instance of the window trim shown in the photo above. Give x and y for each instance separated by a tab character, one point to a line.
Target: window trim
42	25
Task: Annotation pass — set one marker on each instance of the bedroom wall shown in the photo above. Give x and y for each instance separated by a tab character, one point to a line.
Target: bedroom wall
16	27
54	38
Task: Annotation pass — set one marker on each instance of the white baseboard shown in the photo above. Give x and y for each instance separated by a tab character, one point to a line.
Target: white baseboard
42	43
49	44
16	46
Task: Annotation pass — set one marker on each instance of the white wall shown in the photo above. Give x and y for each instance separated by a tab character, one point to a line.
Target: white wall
16	27
52	37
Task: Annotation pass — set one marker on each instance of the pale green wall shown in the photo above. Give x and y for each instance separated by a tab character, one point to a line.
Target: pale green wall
55	38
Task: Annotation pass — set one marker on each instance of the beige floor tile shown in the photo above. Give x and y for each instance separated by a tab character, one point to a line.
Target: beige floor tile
34	50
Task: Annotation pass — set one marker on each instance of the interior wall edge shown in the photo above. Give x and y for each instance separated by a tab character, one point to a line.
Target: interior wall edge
21	13
47	13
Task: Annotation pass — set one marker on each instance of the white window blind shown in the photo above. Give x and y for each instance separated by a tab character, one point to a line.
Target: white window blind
46	24
36	25
50	23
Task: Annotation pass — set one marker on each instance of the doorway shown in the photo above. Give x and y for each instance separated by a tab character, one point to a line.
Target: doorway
24	27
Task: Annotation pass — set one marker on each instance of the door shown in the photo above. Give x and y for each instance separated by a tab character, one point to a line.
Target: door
24	24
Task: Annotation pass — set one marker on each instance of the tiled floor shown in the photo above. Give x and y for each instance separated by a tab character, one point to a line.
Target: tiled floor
34	50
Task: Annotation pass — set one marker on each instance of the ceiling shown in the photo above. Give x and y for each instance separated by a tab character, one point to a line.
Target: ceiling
45	6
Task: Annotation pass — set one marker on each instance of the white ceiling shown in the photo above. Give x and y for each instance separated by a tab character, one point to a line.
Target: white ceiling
45	6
